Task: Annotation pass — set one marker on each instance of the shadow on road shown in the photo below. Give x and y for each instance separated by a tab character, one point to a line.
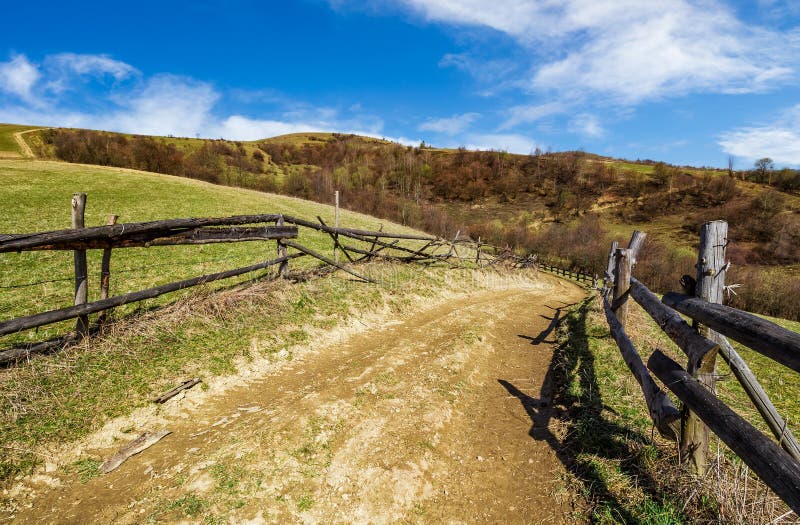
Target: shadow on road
570	398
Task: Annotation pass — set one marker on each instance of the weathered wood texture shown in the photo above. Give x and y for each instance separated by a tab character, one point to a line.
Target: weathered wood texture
361	233
172	237
105	273
143	442
774	466
610	265
622	284
81	270
635	245
763	336
283	268
326	260
53	316
28	241
759	398
710	285
664	414
693	344
186	385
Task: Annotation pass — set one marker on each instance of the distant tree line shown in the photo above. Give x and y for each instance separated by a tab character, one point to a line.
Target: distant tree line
553	197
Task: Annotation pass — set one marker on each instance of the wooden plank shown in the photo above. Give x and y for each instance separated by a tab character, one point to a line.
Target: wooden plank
774	466
688	340
326	260
105	273
283	268
622	283
663	413
81	271
28	241
353	231
635	245
23	323
186	385
710	284
759	398
765	337
336	244
203	235
143	442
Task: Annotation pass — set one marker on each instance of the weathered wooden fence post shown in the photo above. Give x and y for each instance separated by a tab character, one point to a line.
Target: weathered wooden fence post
609	279
622	285
283	268
105	272
336	225
711	267
81	278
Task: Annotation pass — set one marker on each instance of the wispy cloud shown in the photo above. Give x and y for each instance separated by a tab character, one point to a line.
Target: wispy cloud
163	104
511	142
449	126
780	140
526	114
18	76
586	125
629	51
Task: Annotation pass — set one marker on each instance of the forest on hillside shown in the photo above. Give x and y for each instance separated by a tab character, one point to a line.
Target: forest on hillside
561	203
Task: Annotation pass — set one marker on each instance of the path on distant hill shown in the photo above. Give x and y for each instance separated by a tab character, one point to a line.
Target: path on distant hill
425	420
24	149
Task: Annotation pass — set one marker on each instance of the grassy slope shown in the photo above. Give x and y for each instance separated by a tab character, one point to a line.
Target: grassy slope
36	197
8	145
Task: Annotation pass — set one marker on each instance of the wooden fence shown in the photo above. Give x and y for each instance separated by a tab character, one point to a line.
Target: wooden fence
776	462
356	245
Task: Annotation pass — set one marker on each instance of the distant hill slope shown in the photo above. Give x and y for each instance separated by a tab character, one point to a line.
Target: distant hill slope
564	206
10	146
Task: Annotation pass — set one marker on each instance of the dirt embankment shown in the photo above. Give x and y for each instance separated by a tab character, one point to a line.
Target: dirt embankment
437	417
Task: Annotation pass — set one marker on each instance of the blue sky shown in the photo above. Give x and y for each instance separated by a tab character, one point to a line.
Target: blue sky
689	82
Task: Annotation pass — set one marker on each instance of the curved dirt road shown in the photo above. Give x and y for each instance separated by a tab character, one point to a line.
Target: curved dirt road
418	422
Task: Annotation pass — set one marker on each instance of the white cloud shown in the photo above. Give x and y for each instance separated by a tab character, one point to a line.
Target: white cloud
449	126
531	113
83	64
159	105
628	51
587	125
18	76
779	141
511	142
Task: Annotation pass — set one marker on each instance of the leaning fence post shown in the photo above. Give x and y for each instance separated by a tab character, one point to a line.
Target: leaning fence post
622	285
105	272
711	266
283	268
81	279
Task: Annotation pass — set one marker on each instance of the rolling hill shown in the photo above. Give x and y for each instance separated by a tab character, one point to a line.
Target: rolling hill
564	206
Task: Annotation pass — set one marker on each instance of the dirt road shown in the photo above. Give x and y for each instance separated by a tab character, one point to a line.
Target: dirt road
422	421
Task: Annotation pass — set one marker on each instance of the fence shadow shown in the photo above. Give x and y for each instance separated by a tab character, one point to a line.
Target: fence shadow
570	397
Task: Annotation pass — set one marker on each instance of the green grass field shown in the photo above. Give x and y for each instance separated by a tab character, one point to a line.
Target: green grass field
8	145
37	197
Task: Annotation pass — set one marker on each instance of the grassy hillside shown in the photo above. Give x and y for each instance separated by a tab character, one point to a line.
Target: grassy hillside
564	206
9	147
37	198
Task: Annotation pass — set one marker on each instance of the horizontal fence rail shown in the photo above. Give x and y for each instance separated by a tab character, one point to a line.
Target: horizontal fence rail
765	337
778	467
761	454
283	229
